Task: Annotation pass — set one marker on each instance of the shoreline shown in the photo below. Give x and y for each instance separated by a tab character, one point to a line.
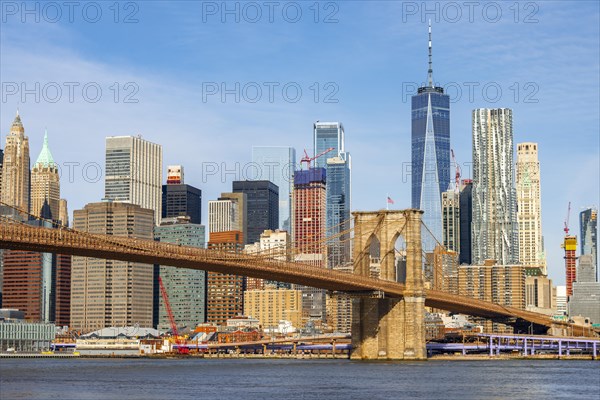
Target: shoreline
472	357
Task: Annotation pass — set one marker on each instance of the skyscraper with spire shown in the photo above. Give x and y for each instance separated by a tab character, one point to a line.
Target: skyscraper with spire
15	168
430	153
45	185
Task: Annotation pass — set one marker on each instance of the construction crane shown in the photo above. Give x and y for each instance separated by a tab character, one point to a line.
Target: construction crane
566	228
307	159
165	296
457	174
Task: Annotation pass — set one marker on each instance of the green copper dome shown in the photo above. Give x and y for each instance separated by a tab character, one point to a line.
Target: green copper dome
45	157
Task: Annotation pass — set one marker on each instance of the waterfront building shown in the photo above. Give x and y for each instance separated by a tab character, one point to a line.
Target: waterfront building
180	199
45	185
186	288
262	206
39	284
272	305
494	223
430	172
15	168
309	207
529	213
588	223
277	164
109	292
134	172
570	247
445	267
24	336
466	216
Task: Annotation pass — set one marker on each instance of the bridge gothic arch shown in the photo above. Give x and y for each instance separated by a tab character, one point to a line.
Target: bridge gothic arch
385	328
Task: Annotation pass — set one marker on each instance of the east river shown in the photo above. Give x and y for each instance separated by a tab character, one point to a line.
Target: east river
129	379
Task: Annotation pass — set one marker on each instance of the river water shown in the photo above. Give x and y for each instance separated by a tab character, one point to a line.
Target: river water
129	379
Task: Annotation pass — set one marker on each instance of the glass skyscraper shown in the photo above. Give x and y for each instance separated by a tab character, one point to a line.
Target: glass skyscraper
327	135
430	154
277	164
588	223
337	162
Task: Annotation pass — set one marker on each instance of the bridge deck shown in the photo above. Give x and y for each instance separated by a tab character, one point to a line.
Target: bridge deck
67	241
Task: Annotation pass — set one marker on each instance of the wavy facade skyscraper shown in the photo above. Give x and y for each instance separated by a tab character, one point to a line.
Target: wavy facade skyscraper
430	115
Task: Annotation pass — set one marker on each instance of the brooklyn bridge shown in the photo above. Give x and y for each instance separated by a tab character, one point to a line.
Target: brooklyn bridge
388	316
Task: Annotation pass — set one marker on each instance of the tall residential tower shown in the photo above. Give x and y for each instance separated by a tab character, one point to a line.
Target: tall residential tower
529	213
495	231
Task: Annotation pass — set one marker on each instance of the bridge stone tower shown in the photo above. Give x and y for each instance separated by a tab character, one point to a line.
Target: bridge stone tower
389	328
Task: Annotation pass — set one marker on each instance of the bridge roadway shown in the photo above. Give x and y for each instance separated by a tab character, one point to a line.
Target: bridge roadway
18	236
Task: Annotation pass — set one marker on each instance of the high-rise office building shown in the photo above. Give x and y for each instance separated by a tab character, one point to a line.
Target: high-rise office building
529	212
494	227
588	223
430	173
15	168
107	293
337	163
37	283
134	172
228	213
338	196
539	296
45	184
466	215
309	201
1	163
225	292
451	220
327	135
180	199
186	288
585	299
262	206
277	164
227	227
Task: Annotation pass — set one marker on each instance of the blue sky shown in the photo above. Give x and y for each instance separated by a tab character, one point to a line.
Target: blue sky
543	56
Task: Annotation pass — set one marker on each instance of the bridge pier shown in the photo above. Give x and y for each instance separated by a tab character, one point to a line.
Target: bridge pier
389	328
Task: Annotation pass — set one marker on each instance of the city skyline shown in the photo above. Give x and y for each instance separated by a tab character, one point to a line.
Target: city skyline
371	152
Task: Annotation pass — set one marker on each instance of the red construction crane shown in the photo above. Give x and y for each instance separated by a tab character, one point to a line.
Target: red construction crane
566	228
307	159
457	174
163	292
